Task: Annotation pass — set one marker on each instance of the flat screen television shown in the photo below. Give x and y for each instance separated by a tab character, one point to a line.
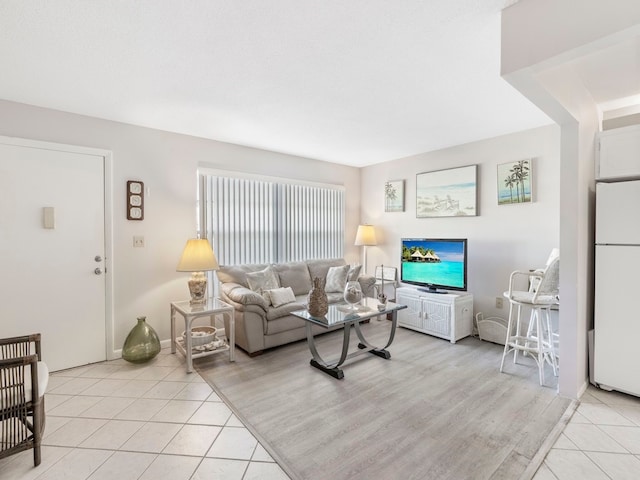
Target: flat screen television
434	263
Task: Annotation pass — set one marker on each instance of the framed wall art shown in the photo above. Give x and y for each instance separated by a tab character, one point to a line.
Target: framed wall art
135	200
394	196
447	193
514	182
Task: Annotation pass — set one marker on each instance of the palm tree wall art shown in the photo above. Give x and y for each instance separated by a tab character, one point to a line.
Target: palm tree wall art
394	196
514	182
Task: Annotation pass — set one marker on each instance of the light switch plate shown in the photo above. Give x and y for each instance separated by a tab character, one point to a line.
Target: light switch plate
48	217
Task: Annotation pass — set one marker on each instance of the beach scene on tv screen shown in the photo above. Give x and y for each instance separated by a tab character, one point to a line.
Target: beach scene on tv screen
439	263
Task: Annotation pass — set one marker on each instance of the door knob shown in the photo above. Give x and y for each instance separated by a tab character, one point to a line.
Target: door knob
98	271
98	258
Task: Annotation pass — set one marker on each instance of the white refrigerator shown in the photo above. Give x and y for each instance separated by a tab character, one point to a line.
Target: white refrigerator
617	287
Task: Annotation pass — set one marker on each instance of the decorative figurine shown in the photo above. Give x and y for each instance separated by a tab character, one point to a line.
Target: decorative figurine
382	297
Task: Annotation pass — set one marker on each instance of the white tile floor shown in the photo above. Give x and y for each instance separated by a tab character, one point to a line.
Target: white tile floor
601	441
115	420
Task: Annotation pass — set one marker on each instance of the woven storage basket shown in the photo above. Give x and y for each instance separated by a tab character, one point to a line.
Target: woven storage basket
199	338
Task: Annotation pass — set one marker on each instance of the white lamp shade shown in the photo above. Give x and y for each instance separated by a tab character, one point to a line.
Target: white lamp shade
197	256
366	235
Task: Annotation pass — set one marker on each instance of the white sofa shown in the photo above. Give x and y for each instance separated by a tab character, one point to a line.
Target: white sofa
259	324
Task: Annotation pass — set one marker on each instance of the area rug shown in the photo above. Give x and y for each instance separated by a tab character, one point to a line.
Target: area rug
435	410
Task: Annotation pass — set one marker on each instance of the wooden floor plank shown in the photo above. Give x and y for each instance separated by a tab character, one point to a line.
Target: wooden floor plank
436	410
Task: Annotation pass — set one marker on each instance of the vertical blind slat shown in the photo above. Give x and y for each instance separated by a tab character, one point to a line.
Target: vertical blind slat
251	221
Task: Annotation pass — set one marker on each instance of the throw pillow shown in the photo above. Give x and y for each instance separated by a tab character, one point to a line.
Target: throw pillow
336	279
354	273
262	280
281	296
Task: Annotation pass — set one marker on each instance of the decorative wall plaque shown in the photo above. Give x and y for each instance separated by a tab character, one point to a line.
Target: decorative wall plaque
135	200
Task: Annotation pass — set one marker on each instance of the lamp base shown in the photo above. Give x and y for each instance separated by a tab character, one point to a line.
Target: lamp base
198	288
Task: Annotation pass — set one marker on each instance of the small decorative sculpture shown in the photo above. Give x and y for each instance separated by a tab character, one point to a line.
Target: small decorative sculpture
317	302
382	297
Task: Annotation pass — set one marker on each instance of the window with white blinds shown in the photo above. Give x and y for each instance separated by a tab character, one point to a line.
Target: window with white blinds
254	221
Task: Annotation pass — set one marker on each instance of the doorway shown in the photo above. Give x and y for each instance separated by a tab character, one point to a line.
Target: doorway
54	244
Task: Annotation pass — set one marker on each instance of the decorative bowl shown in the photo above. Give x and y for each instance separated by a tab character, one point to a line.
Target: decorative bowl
201	336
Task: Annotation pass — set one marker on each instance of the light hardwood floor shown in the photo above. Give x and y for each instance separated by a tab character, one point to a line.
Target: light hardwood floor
435	410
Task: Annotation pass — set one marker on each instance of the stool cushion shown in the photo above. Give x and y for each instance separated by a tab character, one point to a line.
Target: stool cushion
527	298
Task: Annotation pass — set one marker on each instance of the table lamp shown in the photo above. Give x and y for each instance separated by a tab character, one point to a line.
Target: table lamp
365	236
197	257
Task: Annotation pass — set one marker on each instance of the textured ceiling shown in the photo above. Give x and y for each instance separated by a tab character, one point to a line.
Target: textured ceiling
354	82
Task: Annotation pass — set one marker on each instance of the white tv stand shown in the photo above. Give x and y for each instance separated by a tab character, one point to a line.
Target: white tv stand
448	316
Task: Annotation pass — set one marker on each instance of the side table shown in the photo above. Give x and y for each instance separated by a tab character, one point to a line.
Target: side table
213	307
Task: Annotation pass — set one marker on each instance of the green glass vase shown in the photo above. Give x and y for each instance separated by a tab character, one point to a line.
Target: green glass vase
142	343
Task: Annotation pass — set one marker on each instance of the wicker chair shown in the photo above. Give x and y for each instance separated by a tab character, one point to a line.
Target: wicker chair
23	381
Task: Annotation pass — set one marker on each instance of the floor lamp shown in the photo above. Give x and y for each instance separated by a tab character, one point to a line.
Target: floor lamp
366	236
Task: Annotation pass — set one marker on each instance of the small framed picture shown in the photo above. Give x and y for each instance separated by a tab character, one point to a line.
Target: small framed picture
394	196
514	182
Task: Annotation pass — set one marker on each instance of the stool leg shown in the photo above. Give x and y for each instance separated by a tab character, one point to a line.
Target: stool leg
508	338
532	321
530	329
552	348
515	350
541	349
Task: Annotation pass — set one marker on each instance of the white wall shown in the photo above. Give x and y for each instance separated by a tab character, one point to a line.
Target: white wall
145	280
501	238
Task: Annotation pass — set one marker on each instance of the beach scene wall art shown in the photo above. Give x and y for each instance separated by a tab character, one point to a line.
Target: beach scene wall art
394	196
514	182
447	193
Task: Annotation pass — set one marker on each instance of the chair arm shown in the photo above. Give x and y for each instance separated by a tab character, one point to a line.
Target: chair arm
516	273
18	361
13	347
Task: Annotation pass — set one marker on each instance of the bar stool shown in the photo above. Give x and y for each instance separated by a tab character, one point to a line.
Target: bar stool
538	341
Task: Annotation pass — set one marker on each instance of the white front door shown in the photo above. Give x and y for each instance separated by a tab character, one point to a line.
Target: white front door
52	243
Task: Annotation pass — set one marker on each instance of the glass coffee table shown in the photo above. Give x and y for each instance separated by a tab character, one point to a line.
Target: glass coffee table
342	314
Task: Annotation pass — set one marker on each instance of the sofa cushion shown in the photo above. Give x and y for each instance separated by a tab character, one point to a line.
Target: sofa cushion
263	280
336	279
294	275
335	297
284	310
319	268
354	273
237	273
243	295
284	324
281	296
